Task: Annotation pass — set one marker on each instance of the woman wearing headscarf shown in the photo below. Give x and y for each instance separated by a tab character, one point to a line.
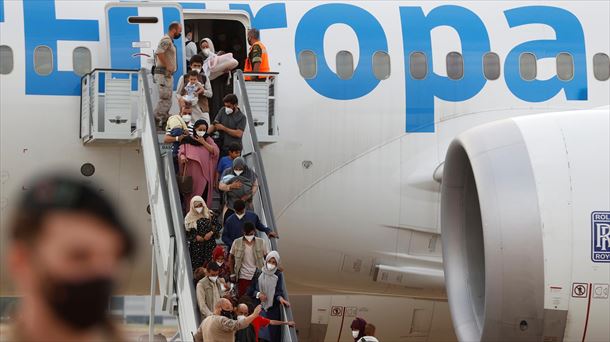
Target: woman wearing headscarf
207	48
201	230
198	156
219	84
268	290
238	182
358	325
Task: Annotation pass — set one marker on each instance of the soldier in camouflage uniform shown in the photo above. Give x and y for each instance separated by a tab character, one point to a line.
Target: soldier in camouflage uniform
165	68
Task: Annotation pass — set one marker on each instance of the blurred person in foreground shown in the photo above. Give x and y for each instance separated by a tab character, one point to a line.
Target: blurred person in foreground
68	247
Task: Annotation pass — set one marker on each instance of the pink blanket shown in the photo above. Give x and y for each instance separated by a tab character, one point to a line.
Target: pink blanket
201	165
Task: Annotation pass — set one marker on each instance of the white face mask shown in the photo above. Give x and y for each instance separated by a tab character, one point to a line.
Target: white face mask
228	110
198	70
186	118
219	263
199	210
240	317
270	266
239	172
240	216
250	237
213	279
355	333
206	52
200	133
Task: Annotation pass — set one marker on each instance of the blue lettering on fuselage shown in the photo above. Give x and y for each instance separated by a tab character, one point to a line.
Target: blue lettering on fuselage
271	16
420	94
42	28
371	37
569	38
416	28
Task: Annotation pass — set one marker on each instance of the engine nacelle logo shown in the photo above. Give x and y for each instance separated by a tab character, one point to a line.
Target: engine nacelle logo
600	236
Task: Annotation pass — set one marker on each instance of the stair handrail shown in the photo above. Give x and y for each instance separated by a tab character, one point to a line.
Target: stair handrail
166	167
263	188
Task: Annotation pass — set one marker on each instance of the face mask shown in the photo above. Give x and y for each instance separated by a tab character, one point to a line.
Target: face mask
199	210
240	317
220	263
239	172
250	238
197	69
177	35
206	52
201	133
355	333
186	118
80	304
240	216
213	279
227	314
228	110
270	266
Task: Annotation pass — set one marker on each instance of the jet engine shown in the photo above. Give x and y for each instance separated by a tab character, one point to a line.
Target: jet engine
525	217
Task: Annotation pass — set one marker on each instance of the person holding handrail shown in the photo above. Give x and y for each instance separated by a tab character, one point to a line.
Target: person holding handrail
268	289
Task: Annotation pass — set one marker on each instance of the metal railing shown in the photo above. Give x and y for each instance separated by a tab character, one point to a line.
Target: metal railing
261	88
109	105
179	294
262	199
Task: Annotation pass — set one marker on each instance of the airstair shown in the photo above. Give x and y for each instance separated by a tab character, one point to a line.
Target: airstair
117	107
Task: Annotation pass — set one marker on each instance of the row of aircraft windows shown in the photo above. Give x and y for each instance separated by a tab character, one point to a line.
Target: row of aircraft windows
418	65
43	60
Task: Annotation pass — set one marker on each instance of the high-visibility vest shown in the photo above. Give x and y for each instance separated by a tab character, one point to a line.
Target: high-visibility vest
264	65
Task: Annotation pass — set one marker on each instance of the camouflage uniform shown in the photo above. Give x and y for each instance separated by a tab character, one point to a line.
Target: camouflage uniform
165	80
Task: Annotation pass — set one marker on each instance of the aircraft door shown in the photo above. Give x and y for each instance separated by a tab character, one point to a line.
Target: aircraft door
134	30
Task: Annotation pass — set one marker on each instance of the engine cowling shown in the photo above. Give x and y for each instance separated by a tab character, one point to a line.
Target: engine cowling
523	212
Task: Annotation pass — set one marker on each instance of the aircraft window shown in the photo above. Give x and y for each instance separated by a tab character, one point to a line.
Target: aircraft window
142	20
308	66
81	60
491	66
381	65
565	66
455	65
6	59
418	66
43	60
527	66
345	65
601	66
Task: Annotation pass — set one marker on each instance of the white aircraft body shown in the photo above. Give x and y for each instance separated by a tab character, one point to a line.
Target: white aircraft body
370	96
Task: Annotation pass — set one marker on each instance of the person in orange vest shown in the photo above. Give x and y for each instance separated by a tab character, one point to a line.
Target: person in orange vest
257	60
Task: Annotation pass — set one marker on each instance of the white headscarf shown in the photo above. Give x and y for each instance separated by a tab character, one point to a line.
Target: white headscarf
267	281
190	221
210	44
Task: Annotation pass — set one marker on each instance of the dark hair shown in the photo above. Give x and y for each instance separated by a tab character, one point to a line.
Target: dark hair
196	59
199	123
58	193
248	227
230	98
212	266
193	73
239	205
254	33
174	25
235	147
